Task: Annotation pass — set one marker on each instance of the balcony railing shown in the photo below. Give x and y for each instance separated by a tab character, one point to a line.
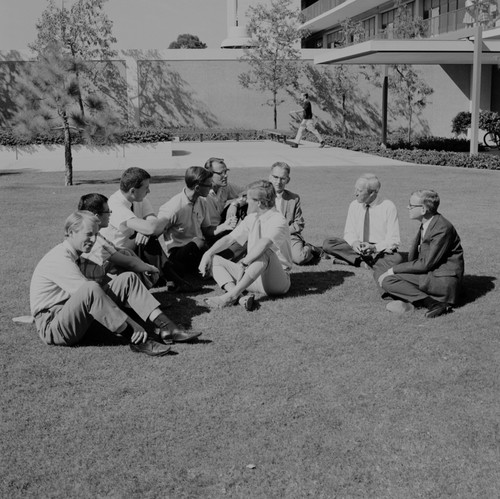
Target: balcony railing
319	8
435	26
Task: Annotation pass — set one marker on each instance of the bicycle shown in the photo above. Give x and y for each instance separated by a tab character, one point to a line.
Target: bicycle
492	140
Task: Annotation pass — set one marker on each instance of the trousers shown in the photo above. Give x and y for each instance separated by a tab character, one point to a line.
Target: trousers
66	323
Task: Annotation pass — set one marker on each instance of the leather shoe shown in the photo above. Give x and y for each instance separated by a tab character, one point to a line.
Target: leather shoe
150	347
178	336
437	309
247	301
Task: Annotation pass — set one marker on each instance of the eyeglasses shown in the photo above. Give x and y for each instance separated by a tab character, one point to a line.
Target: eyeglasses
411	206
205	185
223	173
105	212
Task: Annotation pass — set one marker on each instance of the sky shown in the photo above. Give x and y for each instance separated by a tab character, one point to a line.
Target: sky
136	23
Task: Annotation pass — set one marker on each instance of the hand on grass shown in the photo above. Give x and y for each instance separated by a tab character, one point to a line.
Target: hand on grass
139	337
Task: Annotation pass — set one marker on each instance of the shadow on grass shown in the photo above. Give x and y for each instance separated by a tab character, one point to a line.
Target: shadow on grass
10	172
180	153
156	179
315	283
474	287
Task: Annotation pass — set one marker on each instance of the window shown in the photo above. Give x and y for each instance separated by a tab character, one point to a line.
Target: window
335	39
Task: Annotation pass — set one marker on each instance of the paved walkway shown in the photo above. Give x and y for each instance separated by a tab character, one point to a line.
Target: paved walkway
242	154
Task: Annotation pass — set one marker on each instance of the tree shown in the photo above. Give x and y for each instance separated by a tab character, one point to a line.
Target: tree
49	100
410	92
273	56
405	25
187	41
84	32
334	87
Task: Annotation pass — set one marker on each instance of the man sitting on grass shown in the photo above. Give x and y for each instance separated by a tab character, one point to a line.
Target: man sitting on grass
184	222
105	257
226	202
133	224
371	234
432	275
66	305
288	204
269	257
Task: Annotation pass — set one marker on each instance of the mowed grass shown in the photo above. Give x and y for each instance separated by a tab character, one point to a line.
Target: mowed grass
325	392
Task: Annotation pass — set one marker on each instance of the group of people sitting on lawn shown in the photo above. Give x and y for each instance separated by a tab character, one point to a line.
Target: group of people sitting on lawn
246	238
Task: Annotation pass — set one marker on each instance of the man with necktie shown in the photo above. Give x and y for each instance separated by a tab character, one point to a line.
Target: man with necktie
432	276
371	234
265	268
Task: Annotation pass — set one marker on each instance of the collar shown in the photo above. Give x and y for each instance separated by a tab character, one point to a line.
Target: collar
186	199
374	203
71	250
267	214
426	224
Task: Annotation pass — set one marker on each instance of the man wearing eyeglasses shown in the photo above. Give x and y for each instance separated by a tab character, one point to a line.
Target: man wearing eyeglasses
184	222
432	275
223	195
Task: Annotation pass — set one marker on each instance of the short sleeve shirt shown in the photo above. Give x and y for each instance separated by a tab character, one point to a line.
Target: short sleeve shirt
117	231
184	222
273	226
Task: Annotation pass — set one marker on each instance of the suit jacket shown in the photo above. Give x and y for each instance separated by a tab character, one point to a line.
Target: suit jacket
439	260
292	211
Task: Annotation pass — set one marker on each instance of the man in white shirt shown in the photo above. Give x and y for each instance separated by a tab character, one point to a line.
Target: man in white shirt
371	234
133	219
65	304
265	268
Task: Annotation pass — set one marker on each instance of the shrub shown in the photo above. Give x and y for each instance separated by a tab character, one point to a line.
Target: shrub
489	121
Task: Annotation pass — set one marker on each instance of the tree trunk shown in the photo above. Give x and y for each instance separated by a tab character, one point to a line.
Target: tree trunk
275	106
77	73
410	113
344	127
68	157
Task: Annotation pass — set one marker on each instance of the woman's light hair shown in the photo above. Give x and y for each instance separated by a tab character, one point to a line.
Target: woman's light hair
264	192
75	221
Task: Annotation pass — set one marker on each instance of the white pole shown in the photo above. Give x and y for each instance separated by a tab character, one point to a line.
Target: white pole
476	89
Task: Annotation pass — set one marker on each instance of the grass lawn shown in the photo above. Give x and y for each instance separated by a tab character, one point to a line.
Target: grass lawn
325	392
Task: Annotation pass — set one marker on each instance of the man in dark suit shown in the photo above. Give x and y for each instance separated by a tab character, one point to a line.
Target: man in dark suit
288	204
431	278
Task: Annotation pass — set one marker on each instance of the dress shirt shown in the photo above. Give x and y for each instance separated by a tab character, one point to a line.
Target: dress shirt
184	222
273	226
117	231
216	201
384	225
280	203
425	226
56	277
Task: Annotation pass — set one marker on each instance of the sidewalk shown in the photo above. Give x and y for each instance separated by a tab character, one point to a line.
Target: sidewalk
242	154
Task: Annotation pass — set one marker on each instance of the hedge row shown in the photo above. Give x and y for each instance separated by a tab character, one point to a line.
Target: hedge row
424	155
125	136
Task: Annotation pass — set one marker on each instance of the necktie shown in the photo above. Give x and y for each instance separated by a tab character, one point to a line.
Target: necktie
420	237
366	225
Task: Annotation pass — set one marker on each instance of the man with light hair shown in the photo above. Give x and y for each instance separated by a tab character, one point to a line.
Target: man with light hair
371	234
66	305
432	275
265	268
288	204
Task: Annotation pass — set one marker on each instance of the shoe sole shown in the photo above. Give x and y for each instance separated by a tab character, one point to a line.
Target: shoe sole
437	313
160	354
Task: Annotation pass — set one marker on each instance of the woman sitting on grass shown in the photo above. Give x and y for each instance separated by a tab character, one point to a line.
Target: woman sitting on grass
265	268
